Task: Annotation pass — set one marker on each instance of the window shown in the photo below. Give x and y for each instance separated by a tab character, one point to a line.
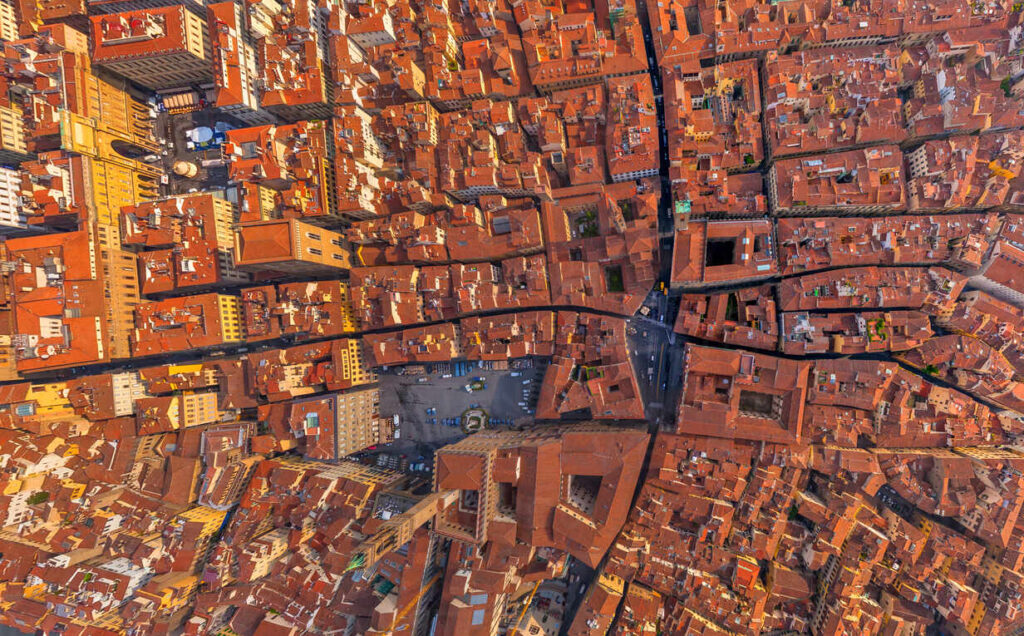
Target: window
477	599
310	235
315	252
478	617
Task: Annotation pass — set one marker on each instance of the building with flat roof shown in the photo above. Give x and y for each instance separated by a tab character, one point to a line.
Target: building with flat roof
113	6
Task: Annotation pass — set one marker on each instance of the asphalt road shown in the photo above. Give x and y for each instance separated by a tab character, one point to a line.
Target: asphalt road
578	575
656	354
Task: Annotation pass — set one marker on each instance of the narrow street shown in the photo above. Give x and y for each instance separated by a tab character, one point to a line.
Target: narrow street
665	223
657	352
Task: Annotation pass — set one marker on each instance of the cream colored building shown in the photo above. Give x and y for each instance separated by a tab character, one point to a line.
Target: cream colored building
166	47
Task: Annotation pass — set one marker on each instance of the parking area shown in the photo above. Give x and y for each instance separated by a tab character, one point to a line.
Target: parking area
507	397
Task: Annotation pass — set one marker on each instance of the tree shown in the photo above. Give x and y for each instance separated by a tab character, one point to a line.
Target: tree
38	498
